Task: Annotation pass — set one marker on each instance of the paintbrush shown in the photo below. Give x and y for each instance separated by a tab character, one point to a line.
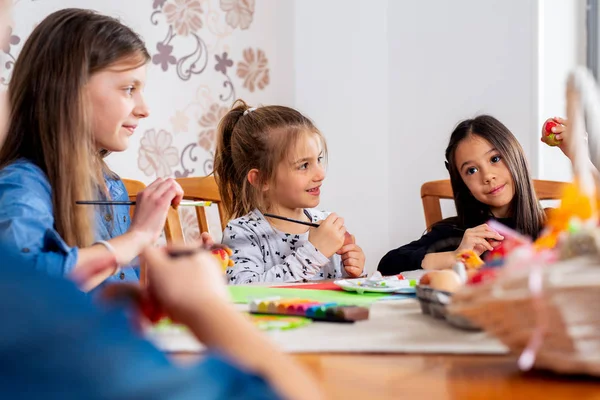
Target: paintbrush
132	203
292	220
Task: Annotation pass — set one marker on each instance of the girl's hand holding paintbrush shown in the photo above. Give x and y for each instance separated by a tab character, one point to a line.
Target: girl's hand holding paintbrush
152	206
329	237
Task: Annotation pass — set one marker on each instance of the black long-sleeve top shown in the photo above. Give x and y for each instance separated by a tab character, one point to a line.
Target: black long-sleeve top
444	236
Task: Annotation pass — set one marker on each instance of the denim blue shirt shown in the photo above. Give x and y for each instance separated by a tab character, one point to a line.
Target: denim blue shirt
28	238
55	344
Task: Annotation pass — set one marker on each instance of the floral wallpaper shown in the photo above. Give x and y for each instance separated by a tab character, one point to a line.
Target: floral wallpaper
204	55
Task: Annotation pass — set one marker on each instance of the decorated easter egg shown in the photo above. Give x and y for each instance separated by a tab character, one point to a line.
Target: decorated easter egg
223	255
445	280
550	137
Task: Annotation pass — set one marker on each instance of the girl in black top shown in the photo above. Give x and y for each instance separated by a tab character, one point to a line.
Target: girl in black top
490	179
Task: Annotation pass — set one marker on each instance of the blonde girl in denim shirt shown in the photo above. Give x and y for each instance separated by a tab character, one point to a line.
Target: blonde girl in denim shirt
76	95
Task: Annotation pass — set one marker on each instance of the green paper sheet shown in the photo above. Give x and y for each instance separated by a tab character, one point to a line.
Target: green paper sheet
244	294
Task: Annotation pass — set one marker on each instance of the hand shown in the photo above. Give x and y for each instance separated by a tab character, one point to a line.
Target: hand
352	256
559	128
476	239
183	286
329	236
89	269
205	240
152	206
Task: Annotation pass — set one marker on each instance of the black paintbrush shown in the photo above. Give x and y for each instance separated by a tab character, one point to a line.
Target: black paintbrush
132	203
292	220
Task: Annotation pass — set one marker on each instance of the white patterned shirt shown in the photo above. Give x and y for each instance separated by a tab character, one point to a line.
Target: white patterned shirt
264	254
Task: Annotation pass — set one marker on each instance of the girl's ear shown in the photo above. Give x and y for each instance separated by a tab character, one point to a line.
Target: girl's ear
254	179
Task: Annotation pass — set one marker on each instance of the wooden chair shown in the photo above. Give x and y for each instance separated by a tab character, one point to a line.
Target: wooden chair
197	188
133	188
432	192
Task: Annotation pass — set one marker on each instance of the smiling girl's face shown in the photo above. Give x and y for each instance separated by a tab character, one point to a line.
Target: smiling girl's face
485	174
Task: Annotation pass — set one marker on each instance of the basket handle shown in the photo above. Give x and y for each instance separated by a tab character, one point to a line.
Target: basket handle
583	101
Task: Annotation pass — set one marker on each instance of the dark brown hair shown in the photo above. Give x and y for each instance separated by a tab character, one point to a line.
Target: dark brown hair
259	139
525	208
50	121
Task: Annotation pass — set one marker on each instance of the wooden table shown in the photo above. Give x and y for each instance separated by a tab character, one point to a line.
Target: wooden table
401	376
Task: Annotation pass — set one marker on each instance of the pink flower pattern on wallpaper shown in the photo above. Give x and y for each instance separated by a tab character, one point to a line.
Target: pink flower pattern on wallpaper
239	13
209	122
254	69
184	15
179	121
156	155
189	224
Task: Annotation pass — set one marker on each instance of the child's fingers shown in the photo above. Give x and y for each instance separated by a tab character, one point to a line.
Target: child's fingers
339	223
347	248
352	262
85	272
493	235
206	239
558	136
560	120
485	244
353	271
487	234
478	241
351	254
331	218
495	243
178	195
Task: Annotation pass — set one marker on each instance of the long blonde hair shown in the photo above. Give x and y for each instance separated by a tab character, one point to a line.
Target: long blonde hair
50	119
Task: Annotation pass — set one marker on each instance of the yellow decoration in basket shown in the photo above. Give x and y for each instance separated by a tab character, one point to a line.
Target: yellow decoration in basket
470	259
575	208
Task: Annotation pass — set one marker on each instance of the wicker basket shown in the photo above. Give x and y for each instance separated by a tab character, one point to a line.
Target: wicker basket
435	302
564	315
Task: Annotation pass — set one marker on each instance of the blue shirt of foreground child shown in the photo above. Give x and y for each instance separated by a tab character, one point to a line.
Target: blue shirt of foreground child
28	239
55	344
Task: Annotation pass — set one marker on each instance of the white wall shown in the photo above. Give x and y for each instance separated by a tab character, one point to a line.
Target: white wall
341	83
562	48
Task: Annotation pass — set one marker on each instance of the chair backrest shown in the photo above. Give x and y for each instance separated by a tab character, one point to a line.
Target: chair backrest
197	188
133	188
432	192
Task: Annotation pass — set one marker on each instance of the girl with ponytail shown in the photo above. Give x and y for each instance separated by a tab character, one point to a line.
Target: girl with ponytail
269	160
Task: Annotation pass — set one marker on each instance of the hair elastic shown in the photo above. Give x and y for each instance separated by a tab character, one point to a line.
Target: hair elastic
249	110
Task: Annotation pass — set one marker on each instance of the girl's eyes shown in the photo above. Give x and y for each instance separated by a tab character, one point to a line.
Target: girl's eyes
307	164
493	160
129	90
